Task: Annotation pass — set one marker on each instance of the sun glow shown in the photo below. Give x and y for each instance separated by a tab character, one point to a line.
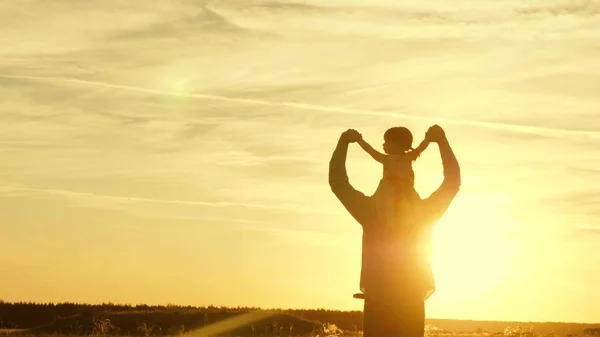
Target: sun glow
474	250
178	86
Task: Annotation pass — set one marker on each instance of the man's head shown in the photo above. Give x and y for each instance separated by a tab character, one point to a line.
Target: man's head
397	140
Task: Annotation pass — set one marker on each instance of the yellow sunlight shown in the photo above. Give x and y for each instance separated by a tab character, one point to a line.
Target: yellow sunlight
473	251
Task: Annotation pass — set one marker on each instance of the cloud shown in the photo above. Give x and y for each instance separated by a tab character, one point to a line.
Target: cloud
405	21
580	208
185	28
312	107
572	7
369	10
122	199
294	6
93	19
593	173
560	83
589	230
334	21
194	130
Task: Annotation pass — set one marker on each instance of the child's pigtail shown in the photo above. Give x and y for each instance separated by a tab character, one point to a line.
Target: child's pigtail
415	153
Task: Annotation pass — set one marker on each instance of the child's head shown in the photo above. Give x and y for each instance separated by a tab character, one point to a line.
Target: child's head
397	140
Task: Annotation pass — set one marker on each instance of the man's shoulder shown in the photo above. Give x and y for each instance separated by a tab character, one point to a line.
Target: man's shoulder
441	198
447	190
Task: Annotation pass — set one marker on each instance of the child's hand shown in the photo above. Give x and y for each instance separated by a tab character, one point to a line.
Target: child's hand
435	134
351	136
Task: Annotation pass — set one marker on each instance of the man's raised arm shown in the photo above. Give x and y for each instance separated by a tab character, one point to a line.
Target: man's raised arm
439	200
450	163
338	177
358	205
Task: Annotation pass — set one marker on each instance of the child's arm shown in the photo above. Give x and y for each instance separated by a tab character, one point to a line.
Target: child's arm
415	153
378	156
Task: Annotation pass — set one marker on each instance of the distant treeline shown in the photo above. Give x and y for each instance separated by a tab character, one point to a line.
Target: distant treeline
27	315
160	320
169	319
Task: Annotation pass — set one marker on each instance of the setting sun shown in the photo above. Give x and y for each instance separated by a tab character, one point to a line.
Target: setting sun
475	247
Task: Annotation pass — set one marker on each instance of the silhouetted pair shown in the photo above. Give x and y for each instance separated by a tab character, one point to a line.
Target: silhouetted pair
396	276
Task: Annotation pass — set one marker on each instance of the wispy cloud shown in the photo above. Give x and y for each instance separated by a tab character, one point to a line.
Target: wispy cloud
183	28
590	229
122	199
570	7
330	109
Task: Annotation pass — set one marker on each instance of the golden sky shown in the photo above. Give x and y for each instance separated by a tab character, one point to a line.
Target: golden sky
177	151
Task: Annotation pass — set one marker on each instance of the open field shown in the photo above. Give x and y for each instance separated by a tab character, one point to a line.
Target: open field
28	319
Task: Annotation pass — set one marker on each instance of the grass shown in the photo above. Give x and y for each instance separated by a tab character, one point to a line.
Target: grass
110	320
103	327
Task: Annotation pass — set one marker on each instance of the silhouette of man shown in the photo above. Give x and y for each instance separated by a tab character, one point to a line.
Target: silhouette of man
396	276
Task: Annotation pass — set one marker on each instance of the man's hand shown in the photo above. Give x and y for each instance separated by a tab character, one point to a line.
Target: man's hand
351	136
435	134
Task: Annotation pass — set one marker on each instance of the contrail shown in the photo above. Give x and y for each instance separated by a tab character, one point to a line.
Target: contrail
312	107
67	193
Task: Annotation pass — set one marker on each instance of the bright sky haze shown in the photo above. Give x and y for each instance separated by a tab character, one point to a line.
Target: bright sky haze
177	151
